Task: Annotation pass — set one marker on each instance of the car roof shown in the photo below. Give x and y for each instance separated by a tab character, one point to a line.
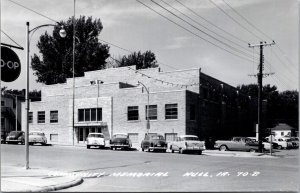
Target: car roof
96	133
188	136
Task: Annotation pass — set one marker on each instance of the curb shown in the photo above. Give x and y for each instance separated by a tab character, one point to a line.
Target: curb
75	182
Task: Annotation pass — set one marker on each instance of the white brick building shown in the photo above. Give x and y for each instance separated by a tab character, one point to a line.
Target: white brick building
118	105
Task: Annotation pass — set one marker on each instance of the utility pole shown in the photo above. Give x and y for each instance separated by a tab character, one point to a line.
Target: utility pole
260	77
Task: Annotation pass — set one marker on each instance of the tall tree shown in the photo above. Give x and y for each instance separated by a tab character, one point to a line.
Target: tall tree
141	60
55	63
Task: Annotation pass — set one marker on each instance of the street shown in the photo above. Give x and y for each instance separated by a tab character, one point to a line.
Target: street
107	170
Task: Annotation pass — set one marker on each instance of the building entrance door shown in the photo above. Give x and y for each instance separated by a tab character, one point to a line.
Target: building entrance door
83	132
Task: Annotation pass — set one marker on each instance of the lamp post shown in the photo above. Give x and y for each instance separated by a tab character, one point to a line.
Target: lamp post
148	122
62	34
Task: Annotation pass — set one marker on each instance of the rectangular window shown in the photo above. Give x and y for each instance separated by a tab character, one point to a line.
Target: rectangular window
93	114
41	117
171	111
192	112
53	116
133	113
152	112
2	103
87	114
80	115
99	114
30	117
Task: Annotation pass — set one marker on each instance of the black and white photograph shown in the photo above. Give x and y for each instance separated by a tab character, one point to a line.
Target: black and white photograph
149	95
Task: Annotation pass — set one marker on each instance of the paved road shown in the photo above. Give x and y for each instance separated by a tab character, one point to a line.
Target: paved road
161	171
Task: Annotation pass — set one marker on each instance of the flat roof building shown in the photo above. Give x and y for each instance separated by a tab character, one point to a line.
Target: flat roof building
111	101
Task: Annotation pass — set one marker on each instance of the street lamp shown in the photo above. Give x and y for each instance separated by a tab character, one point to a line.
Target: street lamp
148	122
62	34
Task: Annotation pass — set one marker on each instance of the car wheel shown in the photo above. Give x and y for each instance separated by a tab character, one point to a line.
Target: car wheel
112	148
181	151
171	149
22	142
142	149
252	150
223	148
88	147
279	147
148	149
199	152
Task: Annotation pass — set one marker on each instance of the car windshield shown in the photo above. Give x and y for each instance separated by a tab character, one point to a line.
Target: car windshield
36	133
96	135
191	138
123	136
157	137
13	133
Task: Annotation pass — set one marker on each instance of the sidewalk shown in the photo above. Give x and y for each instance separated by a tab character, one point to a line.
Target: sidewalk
18	179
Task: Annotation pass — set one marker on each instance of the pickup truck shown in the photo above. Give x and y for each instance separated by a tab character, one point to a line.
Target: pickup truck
238	144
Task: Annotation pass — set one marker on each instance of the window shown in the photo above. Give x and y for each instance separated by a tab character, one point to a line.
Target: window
133	113
2	103
53	116
152	112
87	115
80	115
93	114
41	116
170	136
30	117
171	111
192	112
282	133
99	114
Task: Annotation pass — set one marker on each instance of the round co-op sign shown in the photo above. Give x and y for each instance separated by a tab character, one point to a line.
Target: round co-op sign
10	65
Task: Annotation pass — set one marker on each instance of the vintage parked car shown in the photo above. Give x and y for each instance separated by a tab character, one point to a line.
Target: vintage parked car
96	140
283	142
185	143
238	144
120	140
15	137
266	144
153	142
37	137
295	142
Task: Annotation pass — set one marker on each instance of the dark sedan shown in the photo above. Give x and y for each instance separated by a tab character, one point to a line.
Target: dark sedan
120	140
15	137
154	142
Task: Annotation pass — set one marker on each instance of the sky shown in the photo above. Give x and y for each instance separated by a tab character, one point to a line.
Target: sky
217	49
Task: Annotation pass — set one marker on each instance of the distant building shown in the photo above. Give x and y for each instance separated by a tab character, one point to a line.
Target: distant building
283	129
9	110
111	101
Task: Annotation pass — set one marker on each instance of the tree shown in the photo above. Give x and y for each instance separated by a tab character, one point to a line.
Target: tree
281	107
56	63
34	95
141	60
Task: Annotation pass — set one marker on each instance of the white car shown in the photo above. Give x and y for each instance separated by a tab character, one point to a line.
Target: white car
187	143
282	142
96	140
37	137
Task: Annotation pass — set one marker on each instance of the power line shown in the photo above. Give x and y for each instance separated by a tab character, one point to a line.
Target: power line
11	38
193	32
206	27
246	20
211	23
33	11
233	48
234	20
